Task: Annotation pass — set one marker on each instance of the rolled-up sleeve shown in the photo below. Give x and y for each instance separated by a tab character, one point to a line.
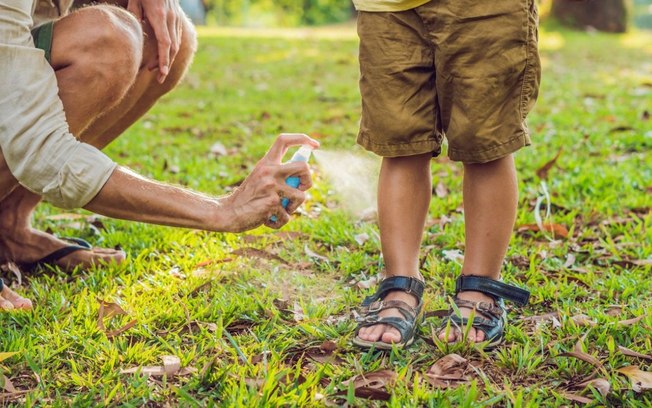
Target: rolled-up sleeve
39	149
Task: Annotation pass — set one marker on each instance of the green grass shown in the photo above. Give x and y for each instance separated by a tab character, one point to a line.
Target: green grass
239	331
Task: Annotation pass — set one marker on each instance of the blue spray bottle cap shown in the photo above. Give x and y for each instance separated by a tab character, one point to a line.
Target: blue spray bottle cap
301	155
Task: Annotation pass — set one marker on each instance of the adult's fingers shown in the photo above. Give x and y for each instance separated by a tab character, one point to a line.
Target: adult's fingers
297	169
284	141
135	8
159	23
295	197
173	19
279	219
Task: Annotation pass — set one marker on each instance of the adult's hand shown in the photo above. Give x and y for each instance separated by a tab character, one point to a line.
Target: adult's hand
165	18
258	198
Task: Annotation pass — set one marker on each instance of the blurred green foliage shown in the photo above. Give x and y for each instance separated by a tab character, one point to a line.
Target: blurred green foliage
278	12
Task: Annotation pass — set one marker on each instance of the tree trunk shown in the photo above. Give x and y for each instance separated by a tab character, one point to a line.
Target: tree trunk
603	15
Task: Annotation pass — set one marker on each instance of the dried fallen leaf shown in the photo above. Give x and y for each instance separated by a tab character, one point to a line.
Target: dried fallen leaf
556	229
218	149
297	312
440	190
542	172
448	371
631	322
171	366
122	329
328	346
314	255
579	353
601	384
641	380
632	353
361	238
107	311
614	310
583	320
576	398
7	384
258	253
372	385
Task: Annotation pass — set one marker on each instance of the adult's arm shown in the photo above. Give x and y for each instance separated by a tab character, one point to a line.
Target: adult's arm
127	195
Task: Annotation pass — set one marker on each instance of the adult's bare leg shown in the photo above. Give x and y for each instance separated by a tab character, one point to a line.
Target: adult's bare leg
94	72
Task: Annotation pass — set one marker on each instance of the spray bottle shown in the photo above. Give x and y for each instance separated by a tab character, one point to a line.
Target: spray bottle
301	155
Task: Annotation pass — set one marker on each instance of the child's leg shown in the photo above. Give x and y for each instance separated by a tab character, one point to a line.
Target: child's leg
404	193
490	201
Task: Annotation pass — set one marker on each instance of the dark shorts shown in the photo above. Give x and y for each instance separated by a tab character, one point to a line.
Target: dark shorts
43	38
466	70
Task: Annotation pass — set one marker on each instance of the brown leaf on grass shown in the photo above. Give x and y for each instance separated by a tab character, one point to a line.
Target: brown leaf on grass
171	366
614	310
576	398
632	263
448	371
641	380
239	327
258	253
314	255
552	317
601	384
583	320
542	172
325	353
579	353
297	312
122	329
556	229
631	353
440	190
107	311
361	238
631	322
372	385
368	283
7	385
328	346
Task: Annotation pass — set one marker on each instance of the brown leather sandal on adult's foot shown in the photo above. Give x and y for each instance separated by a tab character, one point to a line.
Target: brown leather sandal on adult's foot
495	317
374	304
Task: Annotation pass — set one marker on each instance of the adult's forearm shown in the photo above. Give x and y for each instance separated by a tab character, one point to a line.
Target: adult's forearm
129	196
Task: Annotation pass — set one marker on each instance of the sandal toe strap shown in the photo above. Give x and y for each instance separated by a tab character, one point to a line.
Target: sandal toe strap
492	328
485	308
405	284
492	287
405	327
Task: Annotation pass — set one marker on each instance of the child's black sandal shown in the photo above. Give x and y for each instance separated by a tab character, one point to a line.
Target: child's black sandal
374	304
495	317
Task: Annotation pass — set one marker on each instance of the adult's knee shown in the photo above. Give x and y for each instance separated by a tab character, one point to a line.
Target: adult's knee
106	43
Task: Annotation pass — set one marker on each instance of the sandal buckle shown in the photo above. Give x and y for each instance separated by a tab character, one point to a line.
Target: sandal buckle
375	307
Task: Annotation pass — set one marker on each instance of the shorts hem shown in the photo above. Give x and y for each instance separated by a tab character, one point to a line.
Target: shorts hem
411	148
494	153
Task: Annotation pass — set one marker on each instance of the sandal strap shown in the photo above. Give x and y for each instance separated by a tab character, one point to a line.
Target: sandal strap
2	285
492	287
406	284
482	307
408	312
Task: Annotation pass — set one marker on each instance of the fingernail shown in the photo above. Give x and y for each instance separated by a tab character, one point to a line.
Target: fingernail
165	70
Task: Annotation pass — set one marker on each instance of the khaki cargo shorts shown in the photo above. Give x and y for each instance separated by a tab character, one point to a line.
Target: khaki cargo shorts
466	70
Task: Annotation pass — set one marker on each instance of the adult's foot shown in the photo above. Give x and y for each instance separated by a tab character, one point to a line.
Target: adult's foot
10	300
475	335
385	332
28	245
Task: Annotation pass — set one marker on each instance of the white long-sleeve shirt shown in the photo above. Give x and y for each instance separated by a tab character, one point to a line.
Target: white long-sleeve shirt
35	140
